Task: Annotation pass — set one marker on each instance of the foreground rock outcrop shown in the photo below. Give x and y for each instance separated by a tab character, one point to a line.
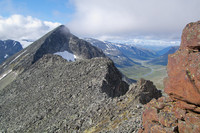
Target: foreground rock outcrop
184	68
180	111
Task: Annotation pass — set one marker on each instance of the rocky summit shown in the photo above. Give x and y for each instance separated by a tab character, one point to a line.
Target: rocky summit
180	111
61	83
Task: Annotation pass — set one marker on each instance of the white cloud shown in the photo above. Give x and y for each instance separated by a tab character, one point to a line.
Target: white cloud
147	18
18	27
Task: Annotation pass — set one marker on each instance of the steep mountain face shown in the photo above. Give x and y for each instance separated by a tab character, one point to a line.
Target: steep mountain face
113	52
180	111
8	48
163	60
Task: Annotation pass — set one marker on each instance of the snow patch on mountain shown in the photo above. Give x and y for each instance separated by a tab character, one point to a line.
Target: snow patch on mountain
66	55
17	57
6	56
5	74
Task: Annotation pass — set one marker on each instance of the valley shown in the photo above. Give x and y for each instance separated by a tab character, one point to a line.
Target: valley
155	73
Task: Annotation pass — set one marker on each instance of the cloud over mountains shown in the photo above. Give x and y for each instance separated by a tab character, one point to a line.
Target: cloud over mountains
19	27
148	18
105	19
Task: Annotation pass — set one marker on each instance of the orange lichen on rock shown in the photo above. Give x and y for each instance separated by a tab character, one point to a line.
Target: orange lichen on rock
183	67
180	112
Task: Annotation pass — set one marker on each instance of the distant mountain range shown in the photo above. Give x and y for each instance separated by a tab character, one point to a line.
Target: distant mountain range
164	51
8	48
163	59
123	55
113	52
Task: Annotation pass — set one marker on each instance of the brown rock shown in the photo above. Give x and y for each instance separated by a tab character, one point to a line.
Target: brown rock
197	109
184	105
150	114
167	117
158	129
140	130
184	67
179	113
165	99
191	124
191	35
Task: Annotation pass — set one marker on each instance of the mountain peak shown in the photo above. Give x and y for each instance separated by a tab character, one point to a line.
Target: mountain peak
63	29
58	41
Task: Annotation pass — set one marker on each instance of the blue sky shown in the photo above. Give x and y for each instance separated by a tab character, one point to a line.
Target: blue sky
49	10
101	19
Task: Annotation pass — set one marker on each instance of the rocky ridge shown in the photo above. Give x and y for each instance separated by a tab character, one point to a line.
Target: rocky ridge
51	94
180	111
54	95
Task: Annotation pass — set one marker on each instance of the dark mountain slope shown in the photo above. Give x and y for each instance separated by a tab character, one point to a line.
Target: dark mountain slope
8	48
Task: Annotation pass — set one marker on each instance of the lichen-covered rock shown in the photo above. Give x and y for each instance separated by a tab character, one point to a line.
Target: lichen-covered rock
184	67
169	118
191	36
180	112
